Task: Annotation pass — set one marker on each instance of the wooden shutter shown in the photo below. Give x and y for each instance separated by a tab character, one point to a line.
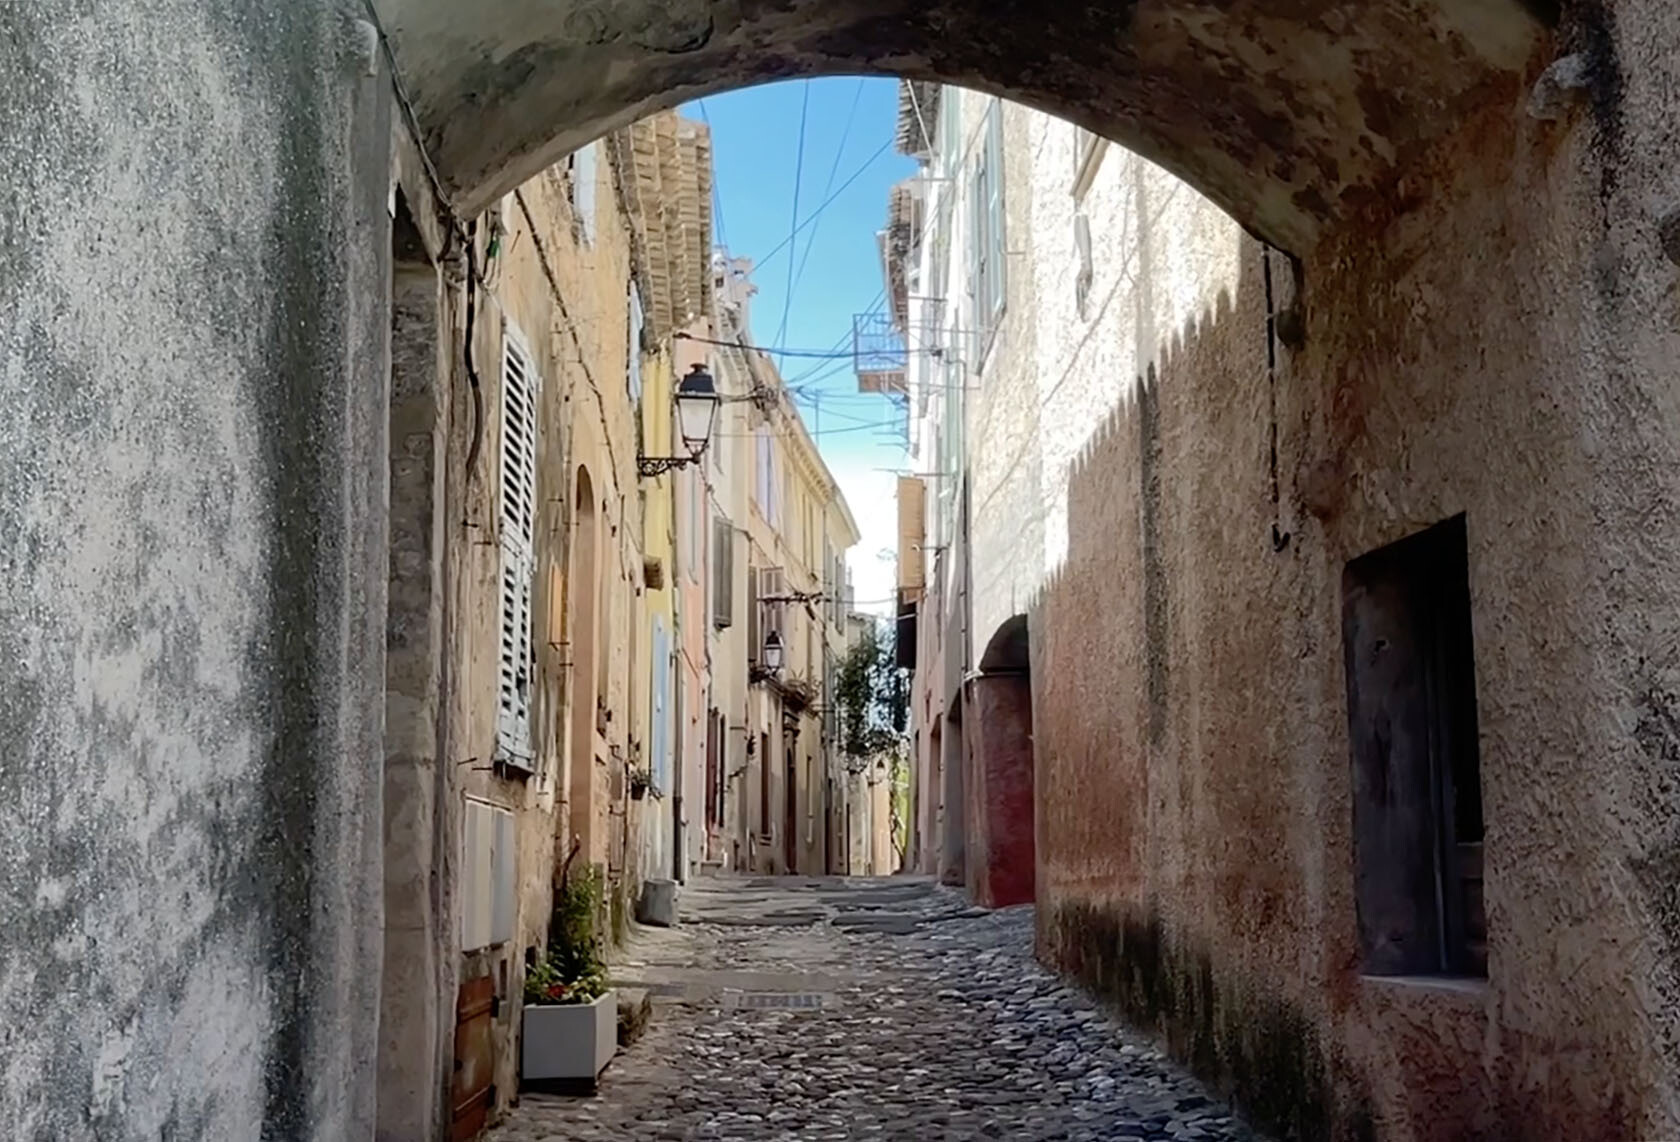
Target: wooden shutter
518	530
912	533
723	573
519	440
994	212
755	626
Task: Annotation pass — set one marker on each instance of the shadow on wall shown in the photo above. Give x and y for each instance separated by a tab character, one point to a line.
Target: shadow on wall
1159	878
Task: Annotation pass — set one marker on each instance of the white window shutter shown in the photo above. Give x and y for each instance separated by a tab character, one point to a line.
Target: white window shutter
513	722
584	167
476	840
501	878
520	386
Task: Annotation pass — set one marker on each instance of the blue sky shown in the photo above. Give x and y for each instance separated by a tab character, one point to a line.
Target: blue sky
848	131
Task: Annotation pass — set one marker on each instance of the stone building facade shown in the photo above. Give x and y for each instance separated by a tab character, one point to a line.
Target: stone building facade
545	616
1272	629
798	531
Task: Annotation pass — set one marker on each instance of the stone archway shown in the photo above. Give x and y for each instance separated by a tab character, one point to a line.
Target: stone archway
194	497
1285	112
998	726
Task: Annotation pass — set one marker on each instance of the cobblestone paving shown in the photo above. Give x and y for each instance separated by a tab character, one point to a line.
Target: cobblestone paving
933	1022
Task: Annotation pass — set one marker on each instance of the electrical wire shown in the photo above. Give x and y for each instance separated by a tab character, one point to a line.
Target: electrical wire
793	218
815	214
833	170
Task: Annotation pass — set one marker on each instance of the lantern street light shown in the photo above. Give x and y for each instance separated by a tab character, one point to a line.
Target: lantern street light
773	652
697	405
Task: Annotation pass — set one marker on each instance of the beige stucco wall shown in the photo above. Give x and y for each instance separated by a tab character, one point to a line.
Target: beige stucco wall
584	421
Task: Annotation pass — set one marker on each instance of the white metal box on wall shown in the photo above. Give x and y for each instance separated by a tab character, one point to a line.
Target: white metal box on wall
488	869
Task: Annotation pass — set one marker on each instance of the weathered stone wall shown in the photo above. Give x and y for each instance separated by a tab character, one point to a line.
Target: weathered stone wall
193	253
1502	344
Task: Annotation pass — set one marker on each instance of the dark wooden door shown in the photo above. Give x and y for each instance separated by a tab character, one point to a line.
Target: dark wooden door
790	827
473	1089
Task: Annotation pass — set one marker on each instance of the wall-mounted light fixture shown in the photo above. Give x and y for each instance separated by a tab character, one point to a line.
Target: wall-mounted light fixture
773	652
697	405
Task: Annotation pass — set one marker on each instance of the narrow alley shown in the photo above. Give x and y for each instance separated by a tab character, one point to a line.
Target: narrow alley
866	1008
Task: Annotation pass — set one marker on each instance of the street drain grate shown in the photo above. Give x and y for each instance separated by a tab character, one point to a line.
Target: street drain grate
778	1000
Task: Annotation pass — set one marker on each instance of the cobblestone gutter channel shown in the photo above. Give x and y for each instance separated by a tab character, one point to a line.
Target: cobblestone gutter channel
868	1010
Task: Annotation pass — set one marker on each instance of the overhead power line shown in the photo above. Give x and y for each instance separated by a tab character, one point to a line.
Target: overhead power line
817	213
793	216
833	170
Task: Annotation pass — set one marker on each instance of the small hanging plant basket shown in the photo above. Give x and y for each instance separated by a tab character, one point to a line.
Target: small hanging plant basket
639	782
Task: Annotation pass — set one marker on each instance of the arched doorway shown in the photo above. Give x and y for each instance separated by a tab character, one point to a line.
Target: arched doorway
998	727
583	595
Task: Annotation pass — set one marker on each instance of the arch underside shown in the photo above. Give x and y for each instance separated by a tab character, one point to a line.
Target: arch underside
1285	112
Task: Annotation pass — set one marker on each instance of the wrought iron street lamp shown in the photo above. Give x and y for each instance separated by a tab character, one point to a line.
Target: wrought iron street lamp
697	405
773	652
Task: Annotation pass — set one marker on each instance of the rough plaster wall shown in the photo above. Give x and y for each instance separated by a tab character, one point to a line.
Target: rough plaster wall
418	983
1160	256
1505	352
192	452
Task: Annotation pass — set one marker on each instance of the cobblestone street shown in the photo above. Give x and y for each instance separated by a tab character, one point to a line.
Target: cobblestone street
845	1009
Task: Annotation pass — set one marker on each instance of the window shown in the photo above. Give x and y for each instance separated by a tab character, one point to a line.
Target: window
1417	802
773	586
1088	151
723	573
582	166
755	624
714	770
830	586
986	236
517	522
765	491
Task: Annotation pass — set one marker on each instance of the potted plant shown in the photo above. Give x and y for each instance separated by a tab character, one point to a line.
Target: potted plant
571	1014
640	779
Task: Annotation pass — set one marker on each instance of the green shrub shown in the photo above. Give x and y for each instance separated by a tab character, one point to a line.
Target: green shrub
574	970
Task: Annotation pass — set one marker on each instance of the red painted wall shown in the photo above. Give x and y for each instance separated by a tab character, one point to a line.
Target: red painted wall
1001	852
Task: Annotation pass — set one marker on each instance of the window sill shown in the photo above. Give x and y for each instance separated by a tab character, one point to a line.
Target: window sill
1464	985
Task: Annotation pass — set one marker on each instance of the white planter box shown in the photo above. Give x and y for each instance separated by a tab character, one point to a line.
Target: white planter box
567	1047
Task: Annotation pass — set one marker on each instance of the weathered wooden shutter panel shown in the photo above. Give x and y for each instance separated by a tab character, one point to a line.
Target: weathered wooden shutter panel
520	385
755	625
723	575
